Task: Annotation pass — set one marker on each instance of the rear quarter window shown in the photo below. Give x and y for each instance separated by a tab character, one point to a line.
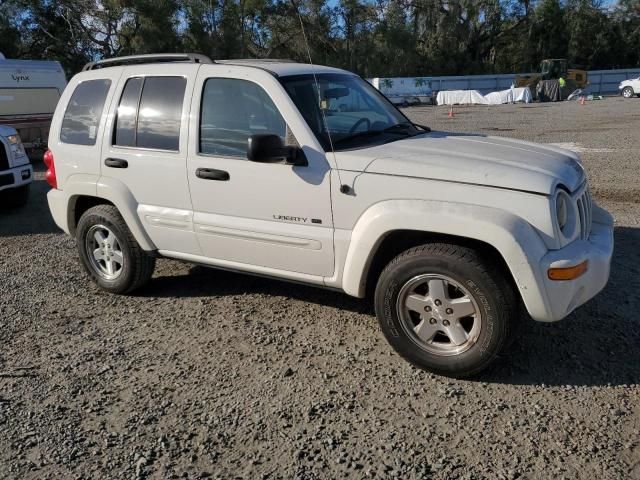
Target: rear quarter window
160	113
149	114
82	116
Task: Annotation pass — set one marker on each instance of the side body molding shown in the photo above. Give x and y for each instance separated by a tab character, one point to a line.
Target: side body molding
118	194
515	239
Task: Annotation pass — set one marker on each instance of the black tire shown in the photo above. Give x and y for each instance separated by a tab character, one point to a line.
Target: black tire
487	289
137	265
627	92
17	197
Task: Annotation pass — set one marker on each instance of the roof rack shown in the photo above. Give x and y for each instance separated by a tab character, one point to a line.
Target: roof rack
148	58
234	61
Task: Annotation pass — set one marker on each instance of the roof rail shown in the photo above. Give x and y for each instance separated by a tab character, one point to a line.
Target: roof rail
234	61
147	58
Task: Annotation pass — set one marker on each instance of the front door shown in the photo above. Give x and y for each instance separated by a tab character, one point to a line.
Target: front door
256	216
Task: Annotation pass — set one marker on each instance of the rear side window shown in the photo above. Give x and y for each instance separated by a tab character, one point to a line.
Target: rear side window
81	119
149	113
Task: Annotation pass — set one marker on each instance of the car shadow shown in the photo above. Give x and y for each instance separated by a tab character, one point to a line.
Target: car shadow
32	218
208	282
599	344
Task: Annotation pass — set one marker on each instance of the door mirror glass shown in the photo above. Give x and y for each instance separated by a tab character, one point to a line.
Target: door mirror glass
269	148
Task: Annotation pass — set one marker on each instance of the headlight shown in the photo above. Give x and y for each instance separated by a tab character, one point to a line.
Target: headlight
566	216
562	210
16	145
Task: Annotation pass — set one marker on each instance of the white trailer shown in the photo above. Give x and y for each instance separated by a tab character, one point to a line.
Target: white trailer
29	93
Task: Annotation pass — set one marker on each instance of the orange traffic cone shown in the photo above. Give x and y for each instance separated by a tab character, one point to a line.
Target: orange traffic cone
451	114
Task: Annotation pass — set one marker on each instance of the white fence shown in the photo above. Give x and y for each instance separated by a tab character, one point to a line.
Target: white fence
600	82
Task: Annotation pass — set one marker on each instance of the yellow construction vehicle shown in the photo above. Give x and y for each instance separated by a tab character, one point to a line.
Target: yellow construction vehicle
553	69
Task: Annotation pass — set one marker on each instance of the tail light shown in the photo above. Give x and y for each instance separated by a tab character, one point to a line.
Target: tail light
50	176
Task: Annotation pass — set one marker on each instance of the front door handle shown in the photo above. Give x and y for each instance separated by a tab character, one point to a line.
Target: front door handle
212	174
116	163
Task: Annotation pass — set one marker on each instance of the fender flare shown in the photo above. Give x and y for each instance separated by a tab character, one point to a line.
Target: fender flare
515	239
117	193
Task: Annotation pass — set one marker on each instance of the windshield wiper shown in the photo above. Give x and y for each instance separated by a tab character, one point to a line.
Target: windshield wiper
353	136
407	125
400	128
426	129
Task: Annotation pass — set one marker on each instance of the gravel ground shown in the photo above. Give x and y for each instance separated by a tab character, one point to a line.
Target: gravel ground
206	374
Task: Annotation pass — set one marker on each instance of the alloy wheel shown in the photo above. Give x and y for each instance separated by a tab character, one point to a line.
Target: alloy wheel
439	314
104	252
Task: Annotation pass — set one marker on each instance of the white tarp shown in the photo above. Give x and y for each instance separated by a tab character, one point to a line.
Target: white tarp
474	97
461	97
522	95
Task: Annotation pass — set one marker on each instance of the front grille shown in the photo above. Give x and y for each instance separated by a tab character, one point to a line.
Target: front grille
585	210
4	159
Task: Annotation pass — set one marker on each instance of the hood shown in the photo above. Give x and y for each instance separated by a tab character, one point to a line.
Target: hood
476	159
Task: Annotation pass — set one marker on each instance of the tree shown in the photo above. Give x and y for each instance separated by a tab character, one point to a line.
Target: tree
371	37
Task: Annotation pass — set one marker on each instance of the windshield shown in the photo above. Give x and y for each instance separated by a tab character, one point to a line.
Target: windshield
347	112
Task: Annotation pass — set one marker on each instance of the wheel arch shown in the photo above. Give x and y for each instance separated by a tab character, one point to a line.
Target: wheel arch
78	204
390	227
395	242
111	192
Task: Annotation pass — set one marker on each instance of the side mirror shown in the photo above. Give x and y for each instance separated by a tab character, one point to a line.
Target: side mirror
269	148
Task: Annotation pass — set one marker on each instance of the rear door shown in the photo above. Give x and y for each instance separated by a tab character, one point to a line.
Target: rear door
145	150
256	216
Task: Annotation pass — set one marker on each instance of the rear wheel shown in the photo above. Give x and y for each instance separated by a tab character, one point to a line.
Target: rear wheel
109	252
627	92
444	309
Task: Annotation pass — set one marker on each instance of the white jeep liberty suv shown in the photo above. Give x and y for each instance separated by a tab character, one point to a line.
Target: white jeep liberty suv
309	174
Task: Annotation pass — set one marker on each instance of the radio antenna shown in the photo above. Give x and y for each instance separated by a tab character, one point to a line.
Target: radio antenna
343	187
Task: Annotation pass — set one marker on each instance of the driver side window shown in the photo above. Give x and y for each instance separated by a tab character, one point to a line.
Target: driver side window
231	111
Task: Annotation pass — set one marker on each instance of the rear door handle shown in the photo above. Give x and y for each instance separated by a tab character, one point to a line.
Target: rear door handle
212	174
116	163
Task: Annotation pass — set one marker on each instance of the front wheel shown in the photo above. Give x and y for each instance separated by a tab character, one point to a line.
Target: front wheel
627	92
109	252
444	309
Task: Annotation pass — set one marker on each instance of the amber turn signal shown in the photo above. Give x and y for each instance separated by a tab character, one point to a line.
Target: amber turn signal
569	273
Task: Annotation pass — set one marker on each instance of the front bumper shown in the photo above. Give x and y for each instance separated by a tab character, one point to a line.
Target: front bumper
16	177
566	295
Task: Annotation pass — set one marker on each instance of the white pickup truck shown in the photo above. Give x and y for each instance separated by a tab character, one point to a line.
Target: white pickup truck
16	172
248	165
